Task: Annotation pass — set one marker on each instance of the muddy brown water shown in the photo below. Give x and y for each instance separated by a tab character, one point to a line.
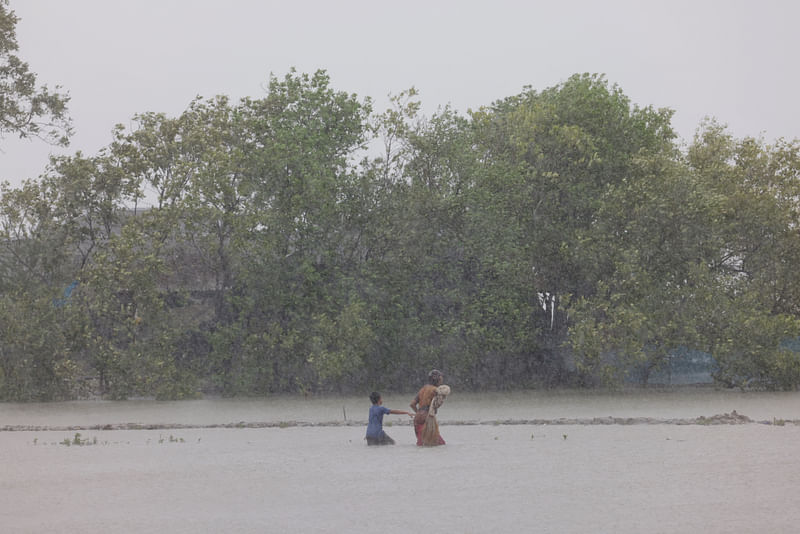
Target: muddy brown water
633	462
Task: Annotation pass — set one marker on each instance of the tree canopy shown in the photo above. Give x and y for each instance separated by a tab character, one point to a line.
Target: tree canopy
27	110
553	238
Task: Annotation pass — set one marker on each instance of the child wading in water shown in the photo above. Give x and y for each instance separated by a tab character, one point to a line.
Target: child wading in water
375	433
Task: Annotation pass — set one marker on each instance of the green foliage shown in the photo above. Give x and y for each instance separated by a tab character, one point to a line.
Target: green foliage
556	237
25	109
340	345
36	363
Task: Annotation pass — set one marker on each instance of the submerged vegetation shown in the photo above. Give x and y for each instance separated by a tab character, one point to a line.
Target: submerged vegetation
302	242
79	441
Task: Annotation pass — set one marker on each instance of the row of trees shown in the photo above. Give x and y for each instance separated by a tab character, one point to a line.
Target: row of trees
303	242
557	237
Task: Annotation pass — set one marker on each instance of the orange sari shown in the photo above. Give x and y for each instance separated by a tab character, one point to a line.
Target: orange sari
427	434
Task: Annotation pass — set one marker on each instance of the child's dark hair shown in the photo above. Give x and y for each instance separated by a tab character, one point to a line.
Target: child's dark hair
374	397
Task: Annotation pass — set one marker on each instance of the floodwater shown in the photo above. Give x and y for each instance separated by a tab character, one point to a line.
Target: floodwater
308	469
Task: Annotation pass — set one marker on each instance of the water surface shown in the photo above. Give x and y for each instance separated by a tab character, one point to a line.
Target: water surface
489	478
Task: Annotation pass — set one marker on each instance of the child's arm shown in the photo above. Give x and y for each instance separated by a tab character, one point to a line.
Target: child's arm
401	412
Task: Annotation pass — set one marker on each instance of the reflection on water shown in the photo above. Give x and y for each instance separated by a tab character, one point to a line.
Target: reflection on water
487	479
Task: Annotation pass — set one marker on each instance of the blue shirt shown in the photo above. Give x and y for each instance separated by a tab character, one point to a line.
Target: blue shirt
375	426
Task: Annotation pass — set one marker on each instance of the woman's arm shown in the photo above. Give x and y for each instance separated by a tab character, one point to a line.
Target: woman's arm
414	403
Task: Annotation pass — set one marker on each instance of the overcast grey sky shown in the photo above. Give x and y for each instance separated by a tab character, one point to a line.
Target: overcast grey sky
735	60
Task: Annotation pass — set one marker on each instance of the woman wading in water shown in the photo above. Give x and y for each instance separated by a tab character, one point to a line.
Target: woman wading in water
425	425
